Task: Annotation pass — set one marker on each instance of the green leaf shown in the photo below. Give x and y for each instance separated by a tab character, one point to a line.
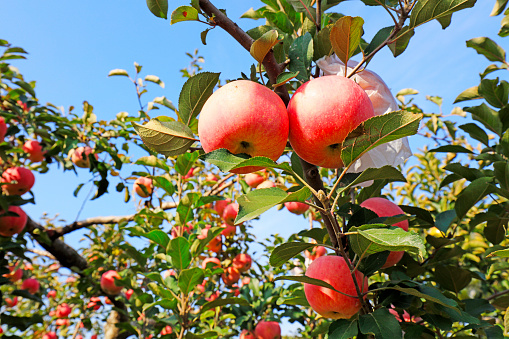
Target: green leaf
307	280
179	253
286	251
162	100
487	47
120	72
495	230
444	220
495	94
159	237
185	208
380	323
504	29
77	190
476	133
168	138
477	190
420	213
321	43
284	77
155	79
400	43
499	7
378	39
165	184
471	93
451	149
376	131
258	201
159	8
203	36
263	45
26	86
343	329
221	302
184	13
185	162
303	6
488	117
428	293
501	170
301	55
195	92
153	161
452	278
384	172
427	10
21	323
345	36
160	291
226	161
500	253
189	278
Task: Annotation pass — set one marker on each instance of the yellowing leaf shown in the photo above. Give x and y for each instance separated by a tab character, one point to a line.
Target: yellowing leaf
263	45
345	36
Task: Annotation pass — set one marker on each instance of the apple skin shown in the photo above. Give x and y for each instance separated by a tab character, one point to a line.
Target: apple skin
244	117
63	310
143	181
245	334
266	184
326	302
11	302
15	275
268	330
11	225
215	261
385	208
230	276
31	285
220	205
230	213
80	156
108	282
3	129
34	150
253	179
322	113
50	335
228	230
317	252
215	245
296	207
167	330
242	262
23	176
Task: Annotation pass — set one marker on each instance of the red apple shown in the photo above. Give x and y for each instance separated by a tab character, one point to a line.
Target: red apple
253	179
62	322
23	177
247	335
220	205
296	207
34	149
10	225
385	208
108	282
317	252
129	293
207	261
145	182
3	129
52	294
322	113
230	276
79	156
50	335
331	304
268	330
16	274
266	184
167	330
213	296
31	285
190	173
204	232
244	117
242	262
63	310
211	177
11	302
229	230
230	213
94	336
215	244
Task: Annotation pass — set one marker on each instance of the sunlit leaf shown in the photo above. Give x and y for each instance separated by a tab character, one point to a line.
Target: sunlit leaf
194	94
345	36
159	8
263	45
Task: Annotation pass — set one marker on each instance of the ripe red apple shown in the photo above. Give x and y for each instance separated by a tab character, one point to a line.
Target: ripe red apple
213	296
50	335
145	182
220	205
229	230
108	282
52	294
244	117
11	302
331	304
63	310
215	261
242	262
296	207
129	293
385	208
215	245
15	274
322	113
266	184
80	158
31	285
23	177
3	129
190	173
62	322
230	276
230	213
268	330
167	330
34	149
317	252
10	225
253	179
247	335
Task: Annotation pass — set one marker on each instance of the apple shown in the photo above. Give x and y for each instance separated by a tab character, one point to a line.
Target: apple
266	184
254	179
10	225
245	334
15	274
167	330
215	245
268	330
63	310
190	173
214	263
129	293
326	302
204	232
94	336
211	177
385	208
31	285
34	150
50	335
230	213
3	129
317	252
242	262
79	336
62	322
146	183
11	302
108	282
228	230
23	177
296	207
244	117
52	294
213	296
179	230
220	205
230	276
79	156
322	113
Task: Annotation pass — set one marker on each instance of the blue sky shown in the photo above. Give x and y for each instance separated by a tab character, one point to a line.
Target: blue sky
73	45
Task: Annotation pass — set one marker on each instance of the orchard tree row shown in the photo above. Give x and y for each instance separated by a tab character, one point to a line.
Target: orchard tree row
384	250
